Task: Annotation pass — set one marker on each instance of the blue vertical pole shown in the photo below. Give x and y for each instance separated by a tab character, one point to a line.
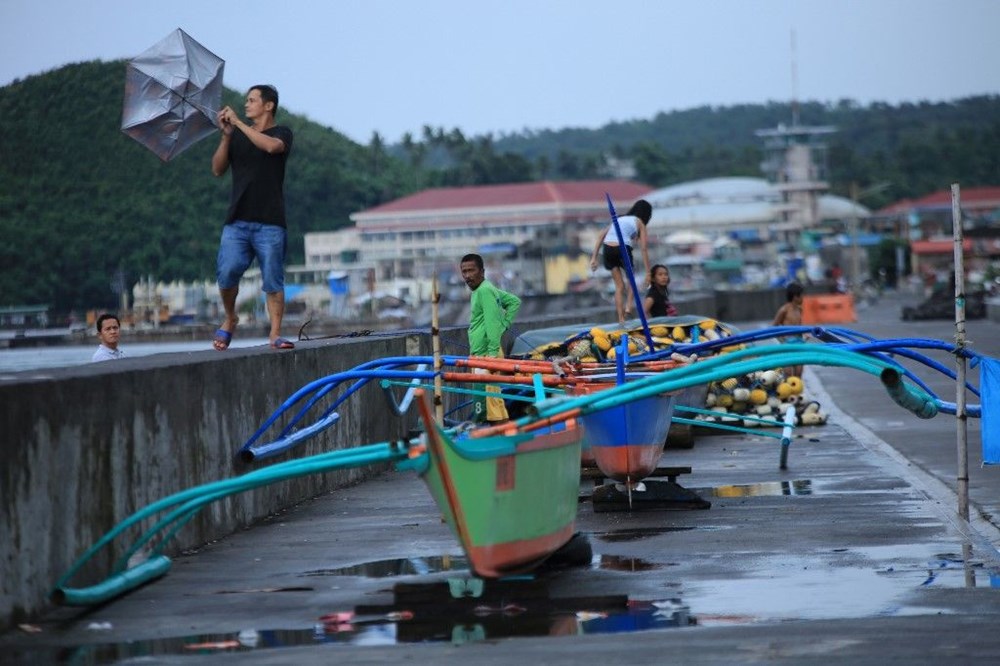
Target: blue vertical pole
621	358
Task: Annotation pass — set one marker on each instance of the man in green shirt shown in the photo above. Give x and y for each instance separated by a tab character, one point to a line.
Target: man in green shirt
492	312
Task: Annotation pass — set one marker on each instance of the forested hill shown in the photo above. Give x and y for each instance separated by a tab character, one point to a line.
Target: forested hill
916	147
81	202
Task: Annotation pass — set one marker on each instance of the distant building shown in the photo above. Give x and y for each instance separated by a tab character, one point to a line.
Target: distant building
929	217
927	223
24	316
516	225
737	204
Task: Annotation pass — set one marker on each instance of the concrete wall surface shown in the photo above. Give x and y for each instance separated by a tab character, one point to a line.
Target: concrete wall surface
85	447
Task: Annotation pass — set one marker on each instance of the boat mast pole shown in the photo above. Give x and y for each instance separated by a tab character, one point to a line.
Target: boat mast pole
961	418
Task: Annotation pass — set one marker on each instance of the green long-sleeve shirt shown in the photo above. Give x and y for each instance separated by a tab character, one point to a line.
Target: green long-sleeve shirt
493	310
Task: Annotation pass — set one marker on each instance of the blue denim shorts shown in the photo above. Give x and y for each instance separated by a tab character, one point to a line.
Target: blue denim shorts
241	242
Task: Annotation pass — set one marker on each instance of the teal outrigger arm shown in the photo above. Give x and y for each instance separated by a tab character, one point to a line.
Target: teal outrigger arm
731	365
188	502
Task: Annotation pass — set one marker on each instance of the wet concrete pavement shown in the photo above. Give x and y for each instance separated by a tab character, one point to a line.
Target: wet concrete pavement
853	555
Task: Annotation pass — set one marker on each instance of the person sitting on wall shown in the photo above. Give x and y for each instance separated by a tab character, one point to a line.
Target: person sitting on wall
108	332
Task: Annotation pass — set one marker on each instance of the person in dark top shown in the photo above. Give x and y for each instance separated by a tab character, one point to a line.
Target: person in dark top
255	222
657	302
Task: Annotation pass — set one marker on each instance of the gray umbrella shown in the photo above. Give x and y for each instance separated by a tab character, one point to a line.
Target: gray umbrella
172	93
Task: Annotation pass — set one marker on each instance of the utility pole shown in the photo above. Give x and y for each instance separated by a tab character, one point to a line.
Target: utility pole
856	196
855	257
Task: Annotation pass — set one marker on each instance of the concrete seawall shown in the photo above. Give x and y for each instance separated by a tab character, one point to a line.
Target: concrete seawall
85	447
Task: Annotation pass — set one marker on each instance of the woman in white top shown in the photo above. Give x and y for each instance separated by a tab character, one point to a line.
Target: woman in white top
633	226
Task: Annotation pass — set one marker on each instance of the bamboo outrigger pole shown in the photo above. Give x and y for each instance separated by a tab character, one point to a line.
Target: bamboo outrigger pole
961	418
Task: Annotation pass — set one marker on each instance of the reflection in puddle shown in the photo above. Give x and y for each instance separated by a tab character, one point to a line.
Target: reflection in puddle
424	612
636	533
850	583
766	489
617	563
409	566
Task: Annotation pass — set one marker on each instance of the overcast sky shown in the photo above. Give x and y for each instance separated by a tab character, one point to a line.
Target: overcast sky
393	66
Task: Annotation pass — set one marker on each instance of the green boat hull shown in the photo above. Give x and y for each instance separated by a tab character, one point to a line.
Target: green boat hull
511	500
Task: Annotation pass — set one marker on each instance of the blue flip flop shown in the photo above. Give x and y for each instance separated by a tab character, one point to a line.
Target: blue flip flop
222	339
282	343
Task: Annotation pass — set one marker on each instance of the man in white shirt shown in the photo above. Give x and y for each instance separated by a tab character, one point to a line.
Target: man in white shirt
108	332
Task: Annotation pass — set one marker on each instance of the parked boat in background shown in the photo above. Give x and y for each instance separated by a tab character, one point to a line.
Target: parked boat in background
556	342
626	442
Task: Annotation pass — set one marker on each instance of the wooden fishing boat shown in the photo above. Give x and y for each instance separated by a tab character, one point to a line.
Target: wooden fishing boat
626	442
552	342
510	499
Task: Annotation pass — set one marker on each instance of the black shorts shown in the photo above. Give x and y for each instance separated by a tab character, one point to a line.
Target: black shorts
613	257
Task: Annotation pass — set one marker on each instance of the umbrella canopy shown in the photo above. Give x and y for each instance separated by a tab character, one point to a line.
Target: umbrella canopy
172	94
687	238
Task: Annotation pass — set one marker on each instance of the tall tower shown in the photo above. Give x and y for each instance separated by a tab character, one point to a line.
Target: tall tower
795	161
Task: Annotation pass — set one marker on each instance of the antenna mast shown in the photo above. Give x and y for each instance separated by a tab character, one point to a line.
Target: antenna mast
795	84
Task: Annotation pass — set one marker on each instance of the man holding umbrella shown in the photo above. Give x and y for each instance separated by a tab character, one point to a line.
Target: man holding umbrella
255	222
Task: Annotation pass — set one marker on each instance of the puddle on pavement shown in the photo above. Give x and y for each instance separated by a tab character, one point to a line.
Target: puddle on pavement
410	566
867	582
450	612
766	489
637	533
445	563
619	563
838	583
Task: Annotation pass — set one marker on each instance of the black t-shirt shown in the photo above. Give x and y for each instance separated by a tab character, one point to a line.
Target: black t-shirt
258	179
661	302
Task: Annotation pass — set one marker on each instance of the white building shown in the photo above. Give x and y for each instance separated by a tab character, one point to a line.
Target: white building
397	246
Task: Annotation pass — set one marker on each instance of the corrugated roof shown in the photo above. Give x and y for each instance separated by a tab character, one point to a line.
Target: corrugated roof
517	194
973	196
939	246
